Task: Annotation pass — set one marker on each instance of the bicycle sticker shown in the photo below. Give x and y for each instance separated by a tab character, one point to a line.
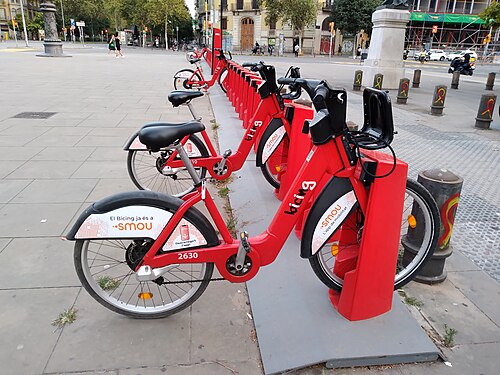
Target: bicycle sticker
137	144
191	150
331	220
125	222
183	75
272	143
184	236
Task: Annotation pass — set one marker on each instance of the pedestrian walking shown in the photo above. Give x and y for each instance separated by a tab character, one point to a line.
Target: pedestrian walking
358	52
296	50
118	47
111	44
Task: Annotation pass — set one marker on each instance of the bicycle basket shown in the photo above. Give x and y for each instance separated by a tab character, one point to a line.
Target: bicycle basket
378	127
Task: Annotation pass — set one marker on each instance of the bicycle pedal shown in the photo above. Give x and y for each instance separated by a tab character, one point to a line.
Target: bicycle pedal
244	241
227	153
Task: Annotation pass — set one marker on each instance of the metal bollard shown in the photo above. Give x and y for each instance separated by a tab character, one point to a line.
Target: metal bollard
378	79
416	78
404	86
485	112
438	100
490	82
358	78
445	187
455	80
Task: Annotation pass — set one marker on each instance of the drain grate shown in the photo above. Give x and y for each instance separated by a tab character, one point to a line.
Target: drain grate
34	115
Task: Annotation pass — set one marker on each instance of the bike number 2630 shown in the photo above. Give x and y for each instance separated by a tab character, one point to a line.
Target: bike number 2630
188	255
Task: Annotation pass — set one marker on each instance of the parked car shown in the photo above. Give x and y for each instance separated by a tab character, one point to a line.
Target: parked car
453	55
436	55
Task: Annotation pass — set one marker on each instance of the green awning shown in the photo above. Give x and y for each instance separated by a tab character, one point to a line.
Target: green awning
446	18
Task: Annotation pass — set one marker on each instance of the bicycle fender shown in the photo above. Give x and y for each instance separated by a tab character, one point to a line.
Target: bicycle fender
141	215
134	144
328	212
264	151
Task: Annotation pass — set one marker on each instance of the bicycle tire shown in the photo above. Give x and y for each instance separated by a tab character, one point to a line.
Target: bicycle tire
275	163
181	78
407	267
106	272
144	170
222	80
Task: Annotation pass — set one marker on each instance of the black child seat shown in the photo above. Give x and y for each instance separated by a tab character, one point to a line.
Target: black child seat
179	97
159	135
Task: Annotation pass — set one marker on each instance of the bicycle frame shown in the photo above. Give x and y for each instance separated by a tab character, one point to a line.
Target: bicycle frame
268	109
221	63
330	158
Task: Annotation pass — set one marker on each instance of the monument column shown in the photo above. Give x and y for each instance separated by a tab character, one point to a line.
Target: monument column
52	43
385	55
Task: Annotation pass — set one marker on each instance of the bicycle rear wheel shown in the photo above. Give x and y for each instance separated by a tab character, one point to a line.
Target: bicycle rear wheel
420	215
223	80
106	269
181	80
147	172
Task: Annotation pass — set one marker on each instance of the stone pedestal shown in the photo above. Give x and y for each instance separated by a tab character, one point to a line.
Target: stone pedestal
385	55
52	43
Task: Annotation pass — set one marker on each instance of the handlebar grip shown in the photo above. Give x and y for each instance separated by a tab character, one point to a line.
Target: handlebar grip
248	64
286	80
320	96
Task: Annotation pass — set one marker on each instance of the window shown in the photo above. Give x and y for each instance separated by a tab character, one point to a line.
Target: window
224	23
3	15
224	4
272	25
255	4
239	4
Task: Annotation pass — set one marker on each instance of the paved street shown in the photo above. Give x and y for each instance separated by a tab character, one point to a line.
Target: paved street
51	169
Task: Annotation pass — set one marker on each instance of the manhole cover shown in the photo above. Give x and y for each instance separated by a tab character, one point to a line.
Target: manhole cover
35	115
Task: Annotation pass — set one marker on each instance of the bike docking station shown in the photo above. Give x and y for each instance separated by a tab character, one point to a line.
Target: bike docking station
296	319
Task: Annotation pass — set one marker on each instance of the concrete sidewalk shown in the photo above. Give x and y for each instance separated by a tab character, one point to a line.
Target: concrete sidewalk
52	169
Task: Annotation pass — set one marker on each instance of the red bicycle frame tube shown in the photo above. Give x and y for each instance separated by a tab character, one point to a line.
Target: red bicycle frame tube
329	158
268	109
218	70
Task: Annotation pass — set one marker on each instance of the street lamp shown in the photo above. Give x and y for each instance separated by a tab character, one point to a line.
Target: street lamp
177	28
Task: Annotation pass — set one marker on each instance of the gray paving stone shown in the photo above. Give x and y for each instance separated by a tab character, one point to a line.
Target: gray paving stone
7	167
107	187
140	117
68	130
99	169
106	116
56	191
69	116
99	141
445	304
45	169
94	123
458	262
481	289
481	359
206	368
3	243
15	140
66	153
134	124
109	153
35	220
38	263
101	339
19	153
10	188
55	140
109	132
233	327
25	130
28	337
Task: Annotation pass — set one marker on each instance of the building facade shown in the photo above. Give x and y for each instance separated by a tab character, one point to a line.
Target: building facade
446	24
243	24
9	9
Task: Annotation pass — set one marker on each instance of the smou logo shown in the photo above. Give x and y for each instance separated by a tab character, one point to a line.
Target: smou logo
332	215
134	226
298	198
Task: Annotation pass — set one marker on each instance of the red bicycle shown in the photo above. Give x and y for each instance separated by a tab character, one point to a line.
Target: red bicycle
147	255
162	170
187	79
197	53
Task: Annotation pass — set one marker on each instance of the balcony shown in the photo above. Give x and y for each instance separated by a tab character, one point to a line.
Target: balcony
327	6
246	6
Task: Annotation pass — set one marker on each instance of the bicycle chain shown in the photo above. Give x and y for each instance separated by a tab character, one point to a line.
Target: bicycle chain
193	281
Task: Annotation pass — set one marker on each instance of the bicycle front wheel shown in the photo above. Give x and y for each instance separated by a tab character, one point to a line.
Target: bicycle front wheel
420	215
147	169
223	80
272	152
186	79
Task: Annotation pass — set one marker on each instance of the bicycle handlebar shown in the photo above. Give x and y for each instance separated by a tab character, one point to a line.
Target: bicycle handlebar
309	85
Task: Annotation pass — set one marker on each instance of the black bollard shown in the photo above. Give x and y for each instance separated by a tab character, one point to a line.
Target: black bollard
485	112
404	86
358	78
445	187
378	79
416	78
455	80
491	81
438	100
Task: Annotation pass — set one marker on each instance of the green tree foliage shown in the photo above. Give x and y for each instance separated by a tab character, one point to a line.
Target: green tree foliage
297	13
35	24
354	15
491	15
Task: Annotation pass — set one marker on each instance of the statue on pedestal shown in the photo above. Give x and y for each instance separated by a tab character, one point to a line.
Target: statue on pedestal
394	4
